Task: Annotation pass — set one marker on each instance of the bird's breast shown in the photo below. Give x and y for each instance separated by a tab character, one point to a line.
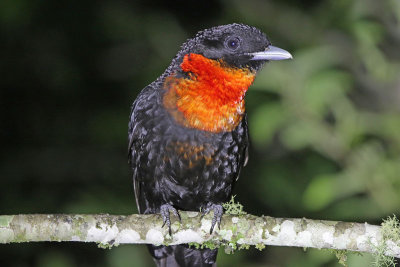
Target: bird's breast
210	97
190	155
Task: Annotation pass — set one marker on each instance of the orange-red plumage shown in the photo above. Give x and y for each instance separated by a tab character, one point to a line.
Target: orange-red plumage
212	98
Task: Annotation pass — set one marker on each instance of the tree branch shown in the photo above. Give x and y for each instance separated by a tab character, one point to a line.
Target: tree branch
235	231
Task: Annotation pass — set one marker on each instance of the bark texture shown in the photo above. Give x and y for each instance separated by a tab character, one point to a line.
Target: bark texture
236	231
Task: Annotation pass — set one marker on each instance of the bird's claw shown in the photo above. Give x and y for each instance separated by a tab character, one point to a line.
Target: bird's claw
164	210
218	212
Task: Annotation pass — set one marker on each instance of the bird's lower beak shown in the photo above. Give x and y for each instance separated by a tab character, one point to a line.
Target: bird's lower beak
271	53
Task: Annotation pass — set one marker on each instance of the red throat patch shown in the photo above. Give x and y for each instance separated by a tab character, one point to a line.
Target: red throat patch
212	98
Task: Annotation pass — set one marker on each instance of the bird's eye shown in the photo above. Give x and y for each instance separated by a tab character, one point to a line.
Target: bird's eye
233	43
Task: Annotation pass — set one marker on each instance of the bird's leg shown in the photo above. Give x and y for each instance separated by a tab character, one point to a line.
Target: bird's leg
218	212
164	210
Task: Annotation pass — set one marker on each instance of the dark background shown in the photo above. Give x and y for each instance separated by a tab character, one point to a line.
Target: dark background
324	127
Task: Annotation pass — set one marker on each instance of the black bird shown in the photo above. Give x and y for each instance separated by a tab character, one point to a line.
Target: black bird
188	136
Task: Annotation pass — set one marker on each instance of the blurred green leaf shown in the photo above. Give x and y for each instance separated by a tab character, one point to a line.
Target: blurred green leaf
320	192
264	121
325	89
368	32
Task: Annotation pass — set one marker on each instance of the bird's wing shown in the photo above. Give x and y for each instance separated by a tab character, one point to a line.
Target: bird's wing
134	137
245	156
246	148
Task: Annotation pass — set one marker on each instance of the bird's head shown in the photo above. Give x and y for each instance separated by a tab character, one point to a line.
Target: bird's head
236	45
207	80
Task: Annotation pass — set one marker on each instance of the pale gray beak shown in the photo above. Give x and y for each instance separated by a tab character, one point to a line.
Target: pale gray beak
271	53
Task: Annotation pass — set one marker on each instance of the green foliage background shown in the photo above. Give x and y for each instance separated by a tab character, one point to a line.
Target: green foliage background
324	127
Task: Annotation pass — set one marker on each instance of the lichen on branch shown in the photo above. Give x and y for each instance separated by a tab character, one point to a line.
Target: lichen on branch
237	231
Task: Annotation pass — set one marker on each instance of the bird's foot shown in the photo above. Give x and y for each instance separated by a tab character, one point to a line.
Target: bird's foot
218	212
164	210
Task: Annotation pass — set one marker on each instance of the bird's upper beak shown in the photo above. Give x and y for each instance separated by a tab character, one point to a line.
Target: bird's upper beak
271	53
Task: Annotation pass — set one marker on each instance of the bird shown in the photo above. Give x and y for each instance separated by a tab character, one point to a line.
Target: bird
188	133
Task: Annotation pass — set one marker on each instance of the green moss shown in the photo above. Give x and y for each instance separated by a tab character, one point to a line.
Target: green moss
109	245
260	246
244	246
194	245
233	245
341	255
207	244
390	229
228	250
233	208
210	245
236	238
380	259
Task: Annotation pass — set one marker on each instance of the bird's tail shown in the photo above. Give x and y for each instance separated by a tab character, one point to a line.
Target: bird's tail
182	256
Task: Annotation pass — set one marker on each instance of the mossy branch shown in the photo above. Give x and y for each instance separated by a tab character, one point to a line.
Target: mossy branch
236	231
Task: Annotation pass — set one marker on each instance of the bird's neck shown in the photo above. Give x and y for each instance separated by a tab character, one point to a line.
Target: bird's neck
210	97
